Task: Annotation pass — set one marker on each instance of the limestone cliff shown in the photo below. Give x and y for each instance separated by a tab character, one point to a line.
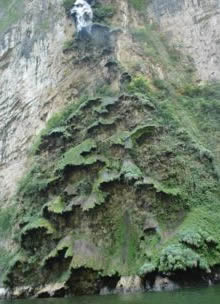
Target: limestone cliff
124	179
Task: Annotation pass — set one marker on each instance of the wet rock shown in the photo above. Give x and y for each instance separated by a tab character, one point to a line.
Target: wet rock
129	284
4	293
51	290
105	291
22	292
164	283
150	225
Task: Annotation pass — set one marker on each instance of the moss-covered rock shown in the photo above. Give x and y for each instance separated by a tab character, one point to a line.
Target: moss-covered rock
125	193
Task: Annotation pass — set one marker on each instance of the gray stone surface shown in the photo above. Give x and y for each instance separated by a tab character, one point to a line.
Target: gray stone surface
194	27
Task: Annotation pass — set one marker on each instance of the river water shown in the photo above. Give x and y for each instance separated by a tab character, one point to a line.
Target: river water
210	295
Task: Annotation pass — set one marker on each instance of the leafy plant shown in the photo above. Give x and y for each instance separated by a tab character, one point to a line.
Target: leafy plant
138	85
147	268
176	257
68	4
103	12
68	45
74	156
140	4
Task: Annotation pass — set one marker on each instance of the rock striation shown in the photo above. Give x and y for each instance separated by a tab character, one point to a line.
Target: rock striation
194	27
119	188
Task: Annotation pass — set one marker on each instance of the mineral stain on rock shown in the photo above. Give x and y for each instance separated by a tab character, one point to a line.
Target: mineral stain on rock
121	188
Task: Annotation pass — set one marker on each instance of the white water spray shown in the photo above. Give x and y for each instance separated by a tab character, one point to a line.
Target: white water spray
82	14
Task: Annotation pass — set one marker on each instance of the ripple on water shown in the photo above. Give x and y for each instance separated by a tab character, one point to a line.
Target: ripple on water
210	295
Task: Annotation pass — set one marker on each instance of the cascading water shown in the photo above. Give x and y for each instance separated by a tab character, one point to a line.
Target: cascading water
83	15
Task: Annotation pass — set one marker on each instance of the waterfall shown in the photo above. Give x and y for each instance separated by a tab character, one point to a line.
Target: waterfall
83	15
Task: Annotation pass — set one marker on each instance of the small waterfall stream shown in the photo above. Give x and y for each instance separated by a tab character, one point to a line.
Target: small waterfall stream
82	14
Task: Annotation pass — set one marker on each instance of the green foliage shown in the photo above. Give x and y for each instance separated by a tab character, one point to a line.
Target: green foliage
103	12
141	130
176	257
56	206
138	85
195	238
158	141
102	122
155	47
122	138
130	171
105	90
147	268
6	217
140	5
34	182
5	260
58	122
39	223
159	187
68	4
68	45
65	243
210	90
74	156
124	250
97	196
106	102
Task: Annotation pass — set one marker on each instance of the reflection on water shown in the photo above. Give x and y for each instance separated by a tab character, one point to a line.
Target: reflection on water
210	295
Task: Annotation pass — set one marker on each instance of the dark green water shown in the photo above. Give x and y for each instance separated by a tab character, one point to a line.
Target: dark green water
209	295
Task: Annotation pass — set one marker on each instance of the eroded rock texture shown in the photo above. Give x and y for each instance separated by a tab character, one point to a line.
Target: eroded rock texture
122	185
194	25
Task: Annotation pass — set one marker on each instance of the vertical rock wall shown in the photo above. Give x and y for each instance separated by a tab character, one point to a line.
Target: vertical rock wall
194	26
35	76
31	71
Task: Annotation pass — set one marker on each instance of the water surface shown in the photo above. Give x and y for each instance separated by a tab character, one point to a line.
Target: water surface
209	295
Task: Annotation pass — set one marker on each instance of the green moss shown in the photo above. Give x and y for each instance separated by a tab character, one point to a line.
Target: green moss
56	206
196	238
159	187
139	131
6	218
176	257
74	156
93	260
102	122
130	171
58	123
156	161
105	103
68	4
140	5
195	244
147	268
103	12
97	196
68	45
39	223
34	182
66	243
121	138
138	85
123	253
155	47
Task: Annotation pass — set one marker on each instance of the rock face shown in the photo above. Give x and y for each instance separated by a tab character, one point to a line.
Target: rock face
35	79
164	283
129	284
194	26
32	70
3	293
128	159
